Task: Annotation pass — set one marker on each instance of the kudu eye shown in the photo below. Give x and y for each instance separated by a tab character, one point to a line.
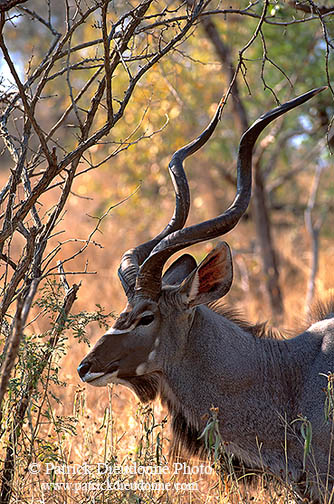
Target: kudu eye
146	320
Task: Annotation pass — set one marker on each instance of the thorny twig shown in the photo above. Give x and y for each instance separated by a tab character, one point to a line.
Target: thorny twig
46	158
54	163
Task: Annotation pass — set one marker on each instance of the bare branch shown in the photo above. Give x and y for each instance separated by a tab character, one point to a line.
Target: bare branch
27	108
107	67
6	5
12	351
39	18
311	7
18	275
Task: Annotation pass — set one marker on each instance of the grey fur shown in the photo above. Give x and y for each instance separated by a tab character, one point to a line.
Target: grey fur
261	383
168	342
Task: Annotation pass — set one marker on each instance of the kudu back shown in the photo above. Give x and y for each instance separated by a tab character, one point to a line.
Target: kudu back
171	342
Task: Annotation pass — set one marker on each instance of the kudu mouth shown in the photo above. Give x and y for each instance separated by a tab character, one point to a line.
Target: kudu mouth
141	268
88	375
171	343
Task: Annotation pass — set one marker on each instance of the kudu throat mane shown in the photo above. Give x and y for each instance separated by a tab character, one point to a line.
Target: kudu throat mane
186	435
175	341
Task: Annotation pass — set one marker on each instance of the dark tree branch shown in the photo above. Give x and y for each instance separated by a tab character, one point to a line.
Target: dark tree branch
20	319
260	206
6	5
309	8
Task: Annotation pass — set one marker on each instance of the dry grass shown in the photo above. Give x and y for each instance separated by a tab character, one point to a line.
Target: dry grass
109	426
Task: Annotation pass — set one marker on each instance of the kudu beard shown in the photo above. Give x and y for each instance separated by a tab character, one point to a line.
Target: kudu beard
174	341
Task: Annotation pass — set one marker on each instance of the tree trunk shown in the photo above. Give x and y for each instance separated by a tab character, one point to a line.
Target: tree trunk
260	209
264	237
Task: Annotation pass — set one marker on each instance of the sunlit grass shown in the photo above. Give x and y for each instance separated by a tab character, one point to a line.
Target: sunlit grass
90	429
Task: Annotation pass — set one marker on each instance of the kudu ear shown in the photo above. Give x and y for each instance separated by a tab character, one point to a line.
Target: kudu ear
212	278
179	270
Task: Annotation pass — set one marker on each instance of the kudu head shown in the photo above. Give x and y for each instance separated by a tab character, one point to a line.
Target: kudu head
156	323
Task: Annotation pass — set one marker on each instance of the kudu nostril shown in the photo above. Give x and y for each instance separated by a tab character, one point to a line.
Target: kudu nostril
83	369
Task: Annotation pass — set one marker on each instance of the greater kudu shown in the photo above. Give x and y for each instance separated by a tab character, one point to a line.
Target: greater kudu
169	341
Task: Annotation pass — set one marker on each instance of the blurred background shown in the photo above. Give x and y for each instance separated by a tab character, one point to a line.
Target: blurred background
106	97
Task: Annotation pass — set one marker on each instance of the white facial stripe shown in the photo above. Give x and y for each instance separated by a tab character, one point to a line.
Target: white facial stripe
152	355
141	368
112	331
127	309
156	343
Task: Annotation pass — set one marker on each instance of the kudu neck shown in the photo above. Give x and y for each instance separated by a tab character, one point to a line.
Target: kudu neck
227	364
